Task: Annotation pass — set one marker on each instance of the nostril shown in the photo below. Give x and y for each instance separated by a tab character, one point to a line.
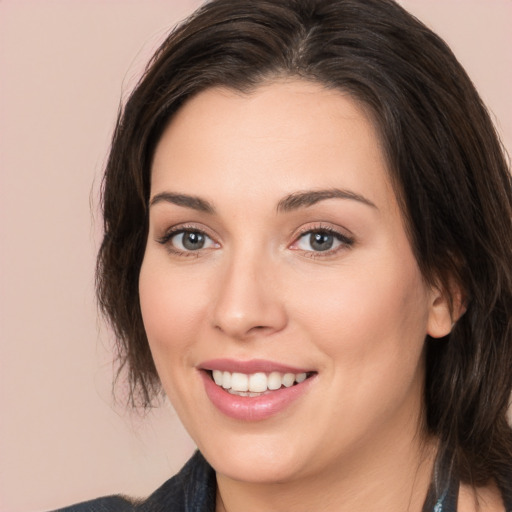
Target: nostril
258	329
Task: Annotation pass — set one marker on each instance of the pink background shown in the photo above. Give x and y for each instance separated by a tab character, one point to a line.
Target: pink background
63	67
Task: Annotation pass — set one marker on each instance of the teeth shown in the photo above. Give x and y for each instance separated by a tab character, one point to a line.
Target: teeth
217	377
239	382
226	380
288	380
274	381
255	383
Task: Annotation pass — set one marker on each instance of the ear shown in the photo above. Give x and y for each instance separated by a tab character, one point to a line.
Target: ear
446	307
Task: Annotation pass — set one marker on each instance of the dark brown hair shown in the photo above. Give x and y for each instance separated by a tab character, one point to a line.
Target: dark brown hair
445	159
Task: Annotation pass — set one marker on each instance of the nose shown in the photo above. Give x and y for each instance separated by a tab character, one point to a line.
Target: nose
248	301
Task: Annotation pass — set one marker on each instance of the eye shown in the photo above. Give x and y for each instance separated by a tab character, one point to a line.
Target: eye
191	241
187	240
321	240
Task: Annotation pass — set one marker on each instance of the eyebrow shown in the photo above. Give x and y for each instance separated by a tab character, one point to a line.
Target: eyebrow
289	203
193	202
311	197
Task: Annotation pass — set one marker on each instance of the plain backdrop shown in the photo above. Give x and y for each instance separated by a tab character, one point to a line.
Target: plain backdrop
64	65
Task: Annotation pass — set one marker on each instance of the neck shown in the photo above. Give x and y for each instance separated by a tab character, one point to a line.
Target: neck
395	475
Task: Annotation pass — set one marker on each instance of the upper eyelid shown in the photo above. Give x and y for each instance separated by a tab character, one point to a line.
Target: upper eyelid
172	231
341	237
189	226
323	226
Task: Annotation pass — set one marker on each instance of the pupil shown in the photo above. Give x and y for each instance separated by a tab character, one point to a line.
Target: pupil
193	240
321	241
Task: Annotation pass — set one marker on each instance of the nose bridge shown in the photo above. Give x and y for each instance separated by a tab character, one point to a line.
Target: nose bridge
248	301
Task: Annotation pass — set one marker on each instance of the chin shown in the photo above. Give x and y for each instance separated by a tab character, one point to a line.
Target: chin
255	461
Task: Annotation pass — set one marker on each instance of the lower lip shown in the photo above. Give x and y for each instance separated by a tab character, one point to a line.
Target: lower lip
254	408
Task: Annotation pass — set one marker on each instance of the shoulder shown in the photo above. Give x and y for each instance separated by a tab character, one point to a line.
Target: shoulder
107	504
191	490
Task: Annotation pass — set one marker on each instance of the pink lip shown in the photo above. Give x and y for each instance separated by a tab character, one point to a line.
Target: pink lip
251	366
247	408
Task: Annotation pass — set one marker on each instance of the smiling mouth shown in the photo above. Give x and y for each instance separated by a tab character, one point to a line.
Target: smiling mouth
256	384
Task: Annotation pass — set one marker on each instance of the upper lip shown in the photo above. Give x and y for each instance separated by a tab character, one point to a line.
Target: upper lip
249	366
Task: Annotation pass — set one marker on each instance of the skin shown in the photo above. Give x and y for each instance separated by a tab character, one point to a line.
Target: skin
357	315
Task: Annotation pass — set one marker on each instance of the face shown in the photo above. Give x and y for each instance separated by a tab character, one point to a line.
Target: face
285	311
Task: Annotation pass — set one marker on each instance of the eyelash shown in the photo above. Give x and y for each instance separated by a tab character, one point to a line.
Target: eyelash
166	238
345	241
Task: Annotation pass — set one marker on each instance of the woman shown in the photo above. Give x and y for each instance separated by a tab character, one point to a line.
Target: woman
307	246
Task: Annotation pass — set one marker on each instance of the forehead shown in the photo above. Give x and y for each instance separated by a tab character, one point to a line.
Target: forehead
283	136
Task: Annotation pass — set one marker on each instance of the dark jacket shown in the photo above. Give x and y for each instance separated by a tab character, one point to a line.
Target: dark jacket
193	489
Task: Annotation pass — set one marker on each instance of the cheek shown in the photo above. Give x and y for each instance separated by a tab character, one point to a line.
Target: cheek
171	307
376	312
371	325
